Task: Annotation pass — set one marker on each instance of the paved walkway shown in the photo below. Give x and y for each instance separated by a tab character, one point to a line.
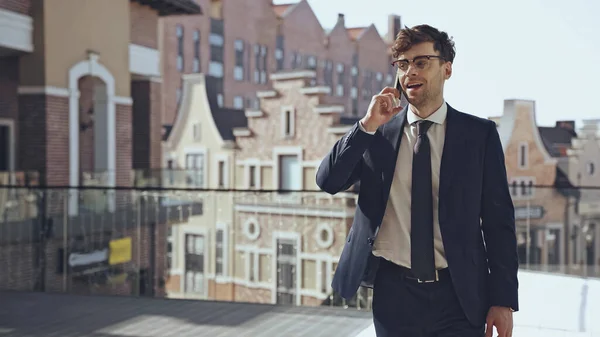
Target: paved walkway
58	315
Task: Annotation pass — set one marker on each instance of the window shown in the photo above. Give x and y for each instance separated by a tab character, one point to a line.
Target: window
287	121
220	100
179	34
216	41
311	62
260	64
590	168
286	271
220	247
340	82
289	173
194	264
194	165
523	155
522	187
328	73
252	176
196	131
279	53
238	102
222	173
215	69
238	70
196	64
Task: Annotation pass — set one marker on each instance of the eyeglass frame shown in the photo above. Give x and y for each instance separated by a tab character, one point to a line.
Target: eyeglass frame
428	57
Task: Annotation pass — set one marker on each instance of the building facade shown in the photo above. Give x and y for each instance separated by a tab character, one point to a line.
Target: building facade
544	197
287	243
241	43
79	107
584	161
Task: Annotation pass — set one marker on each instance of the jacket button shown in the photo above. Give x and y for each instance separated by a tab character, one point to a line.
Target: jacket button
371	241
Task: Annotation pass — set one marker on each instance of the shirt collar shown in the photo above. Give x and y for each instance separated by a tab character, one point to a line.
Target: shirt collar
438	117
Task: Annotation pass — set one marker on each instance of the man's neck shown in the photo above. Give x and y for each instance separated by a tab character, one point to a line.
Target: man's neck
428	109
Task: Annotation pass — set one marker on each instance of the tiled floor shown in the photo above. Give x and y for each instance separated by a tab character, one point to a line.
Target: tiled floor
39	314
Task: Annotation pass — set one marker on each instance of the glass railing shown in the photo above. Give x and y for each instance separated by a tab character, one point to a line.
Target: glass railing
240	246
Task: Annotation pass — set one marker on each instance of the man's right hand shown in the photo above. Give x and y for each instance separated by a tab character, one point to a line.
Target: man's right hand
382	109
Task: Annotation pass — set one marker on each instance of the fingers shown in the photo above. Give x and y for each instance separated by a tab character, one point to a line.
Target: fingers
390	90
489	328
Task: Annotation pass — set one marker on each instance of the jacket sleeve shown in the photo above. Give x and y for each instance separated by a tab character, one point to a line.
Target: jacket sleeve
498	225
341	168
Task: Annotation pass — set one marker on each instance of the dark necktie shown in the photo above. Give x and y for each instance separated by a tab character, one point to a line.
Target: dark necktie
421	234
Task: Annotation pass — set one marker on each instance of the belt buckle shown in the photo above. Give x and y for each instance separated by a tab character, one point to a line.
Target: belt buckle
437	278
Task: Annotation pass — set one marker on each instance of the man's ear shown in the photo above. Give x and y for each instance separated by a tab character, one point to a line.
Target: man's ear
448	70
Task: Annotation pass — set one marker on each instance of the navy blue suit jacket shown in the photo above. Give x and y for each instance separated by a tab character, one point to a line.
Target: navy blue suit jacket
476	211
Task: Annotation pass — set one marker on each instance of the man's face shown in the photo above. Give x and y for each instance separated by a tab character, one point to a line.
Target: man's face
423	79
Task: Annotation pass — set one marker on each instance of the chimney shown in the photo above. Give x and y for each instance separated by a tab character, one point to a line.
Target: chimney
394	26
341	18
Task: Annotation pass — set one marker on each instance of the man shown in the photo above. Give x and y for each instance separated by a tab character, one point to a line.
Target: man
434	231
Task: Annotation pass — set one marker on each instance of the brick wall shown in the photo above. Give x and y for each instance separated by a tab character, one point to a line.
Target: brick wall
310	129
144	25
19	6
171	76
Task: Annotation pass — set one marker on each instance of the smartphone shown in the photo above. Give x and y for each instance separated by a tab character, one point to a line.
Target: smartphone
403	100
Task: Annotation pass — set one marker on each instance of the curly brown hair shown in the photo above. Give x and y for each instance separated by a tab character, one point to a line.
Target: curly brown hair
409	37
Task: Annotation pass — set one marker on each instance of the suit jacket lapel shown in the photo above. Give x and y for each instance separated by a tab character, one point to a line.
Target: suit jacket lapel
451	155
392	132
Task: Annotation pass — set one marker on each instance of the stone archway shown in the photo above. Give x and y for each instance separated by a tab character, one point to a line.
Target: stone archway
105	146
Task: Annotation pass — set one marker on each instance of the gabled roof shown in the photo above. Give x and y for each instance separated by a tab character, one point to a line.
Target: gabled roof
283	9
225	118
556	139
355	33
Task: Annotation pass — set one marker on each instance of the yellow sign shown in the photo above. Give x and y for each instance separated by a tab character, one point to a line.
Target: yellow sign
120	251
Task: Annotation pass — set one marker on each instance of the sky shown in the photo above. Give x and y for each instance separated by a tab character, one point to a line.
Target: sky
542	50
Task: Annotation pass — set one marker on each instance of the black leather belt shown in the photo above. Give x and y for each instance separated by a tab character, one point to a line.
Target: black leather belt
441	275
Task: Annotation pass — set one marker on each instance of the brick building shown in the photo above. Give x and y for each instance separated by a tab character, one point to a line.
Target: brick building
287	244
259	246
544	197
241	43
79	105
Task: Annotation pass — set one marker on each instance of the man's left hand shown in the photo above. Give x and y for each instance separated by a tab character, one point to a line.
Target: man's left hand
502	319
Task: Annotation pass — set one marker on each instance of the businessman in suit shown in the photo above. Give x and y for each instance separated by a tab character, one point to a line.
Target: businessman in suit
434	230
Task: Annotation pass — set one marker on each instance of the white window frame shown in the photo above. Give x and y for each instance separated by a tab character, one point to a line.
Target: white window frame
292	121
198	150
194	230
225	278
523	147
287	150
256	164
246	228
286	236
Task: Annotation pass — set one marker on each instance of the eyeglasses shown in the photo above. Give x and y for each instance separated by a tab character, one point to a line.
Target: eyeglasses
421	62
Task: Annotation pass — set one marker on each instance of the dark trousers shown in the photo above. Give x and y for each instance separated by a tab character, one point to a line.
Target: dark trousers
403	307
